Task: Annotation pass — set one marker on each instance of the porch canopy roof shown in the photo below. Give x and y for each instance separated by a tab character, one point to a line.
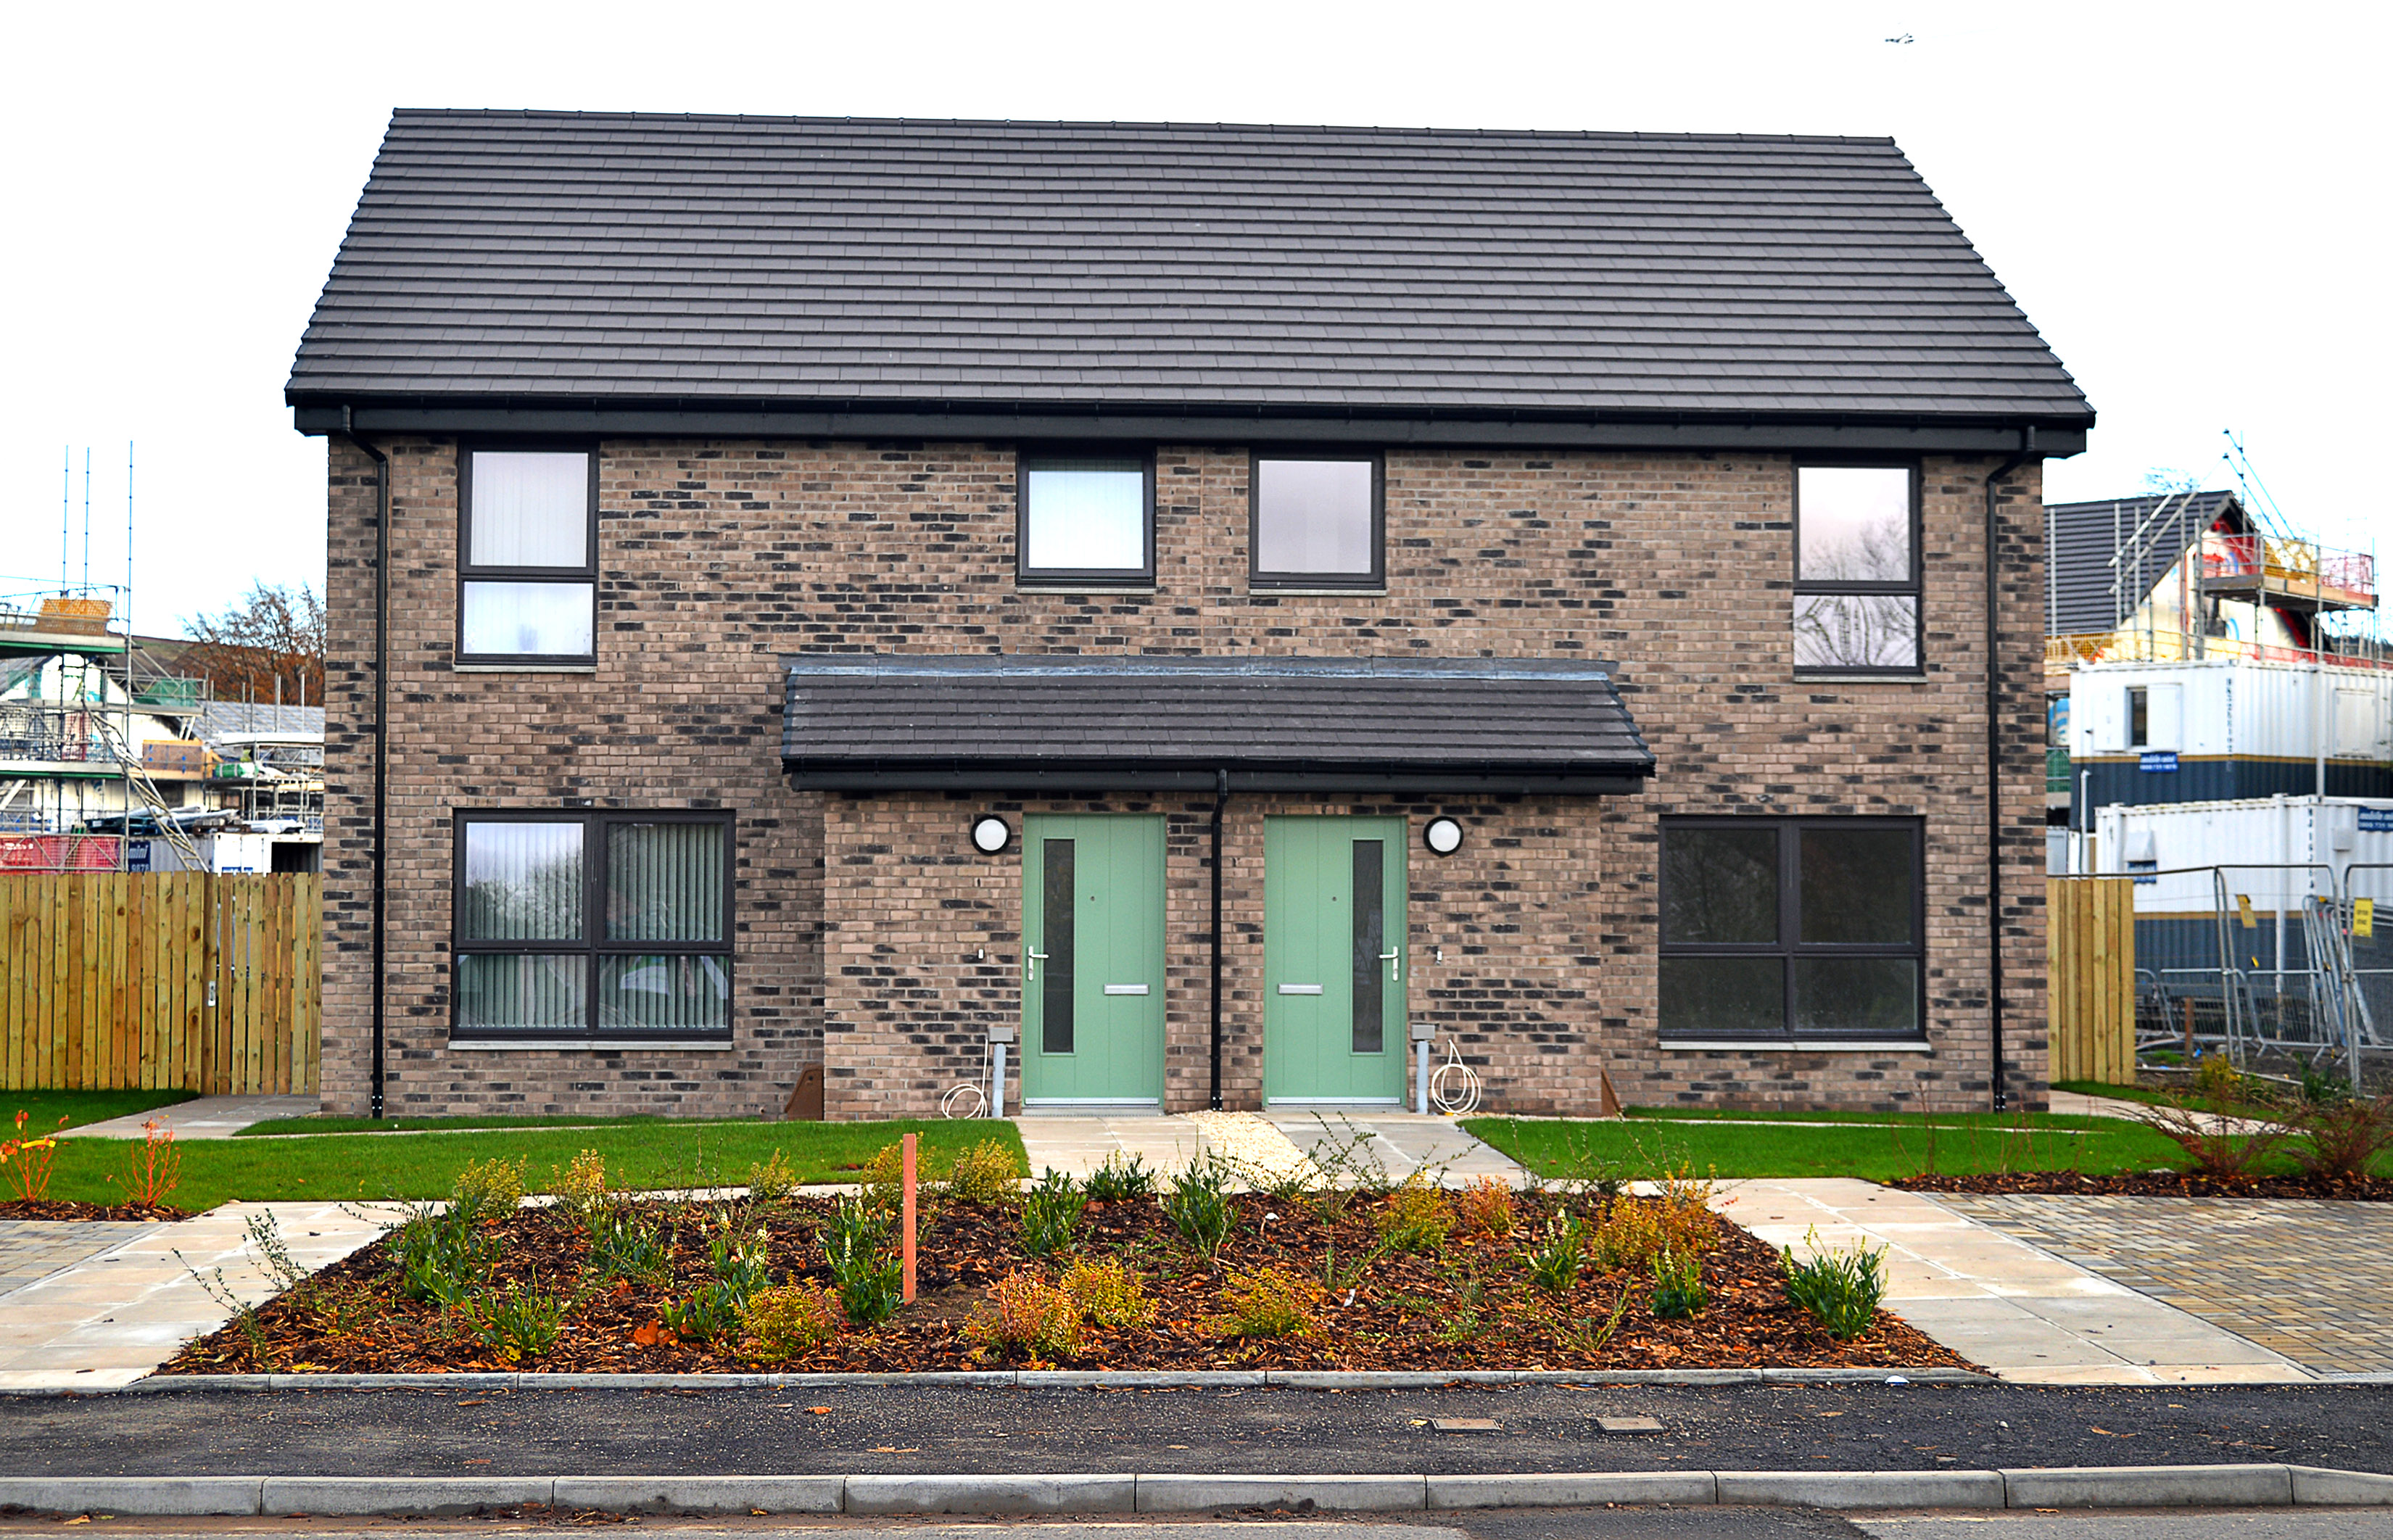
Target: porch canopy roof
1120	724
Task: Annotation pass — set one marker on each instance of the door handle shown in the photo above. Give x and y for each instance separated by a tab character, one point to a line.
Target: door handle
1395	966
1030	961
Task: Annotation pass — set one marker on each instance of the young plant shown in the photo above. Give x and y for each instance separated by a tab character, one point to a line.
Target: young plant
790	1321
1345	1166
1629	1235
1108	1293
1462	1322
443	1254
1417	1217
986	1173
1198	1205
2342	1140
266	1239
2208	1140
1118	1180
489	1189
1582	1332
27	1162
1268	1302
871	1283
580	1186
1485	1208
1679	1292
772	1180
1553	1262
629	1244
1050	1209
1027	1313
153	1168
1841	1290
520	1324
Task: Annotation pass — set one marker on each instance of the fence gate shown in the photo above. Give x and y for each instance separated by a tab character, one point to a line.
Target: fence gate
2091	930
164	981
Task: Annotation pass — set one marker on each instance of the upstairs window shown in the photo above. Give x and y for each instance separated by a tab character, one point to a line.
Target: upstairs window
1317	522
527	566
1087	520
1792	929
1857	568
612	925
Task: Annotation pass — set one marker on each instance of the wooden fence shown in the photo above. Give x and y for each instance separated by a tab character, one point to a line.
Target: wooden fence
2091	929
160	980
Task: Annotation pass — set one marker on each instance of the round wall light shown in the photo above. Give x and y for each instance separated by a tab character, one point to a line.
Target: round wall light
991	834
1442	836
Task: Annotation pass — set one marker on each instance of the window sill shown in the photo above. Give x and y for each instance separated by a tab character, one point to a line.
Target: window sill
539	1045
1804	677
1259	592
523	668
1065	590
1781	1045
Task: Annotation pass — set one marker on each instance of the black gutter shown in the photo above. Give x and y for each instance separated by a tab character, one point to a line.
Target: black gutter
1994	774
1221	802
1033	776
382	735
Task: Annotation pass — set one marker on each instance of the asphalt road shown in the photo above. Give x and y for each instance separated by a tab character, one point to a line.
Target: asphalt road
989	1428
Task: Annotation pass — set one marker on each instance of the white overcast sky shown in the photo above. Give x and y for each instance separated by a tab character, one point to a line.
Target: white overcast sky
2185	197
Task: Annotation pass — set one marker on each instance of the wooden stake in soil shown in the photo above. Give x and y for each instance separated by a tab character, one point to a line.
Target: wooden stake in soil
908	1242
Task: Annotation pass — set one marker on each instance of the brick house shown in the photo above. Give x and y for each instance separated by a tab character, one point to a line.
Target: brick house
816	592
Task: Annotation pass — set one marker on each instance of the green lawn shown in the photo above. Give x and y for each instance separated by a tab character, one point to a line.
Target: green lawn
1942	1119
1730	1147
44	1108
661	1154
278	1128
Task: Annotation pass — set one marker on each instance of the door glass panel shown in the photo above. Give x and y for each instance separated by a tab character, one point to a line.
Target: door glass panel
1370	928
1857	885
1723	996
1055	971
1719	884
1855	996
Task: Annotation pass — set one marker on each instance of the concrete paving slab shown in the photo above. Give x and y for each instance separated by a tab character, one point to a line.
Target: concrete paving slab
202	1117
1263	1145
2016	1308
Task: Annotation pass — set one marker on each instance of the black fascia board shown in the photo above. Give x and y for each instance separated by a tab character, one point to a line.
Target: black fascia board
1050	776
1917	433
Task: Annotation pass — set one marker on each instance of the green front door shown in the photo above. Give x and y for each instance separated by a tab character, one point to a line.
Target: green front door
1093	960
1334	963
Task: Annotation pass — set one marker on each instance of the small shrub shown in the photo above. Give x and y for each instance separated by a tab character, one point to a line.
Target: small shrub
1841	1290
1108	1293
884	1180
1345	1167
772	1180
153	1168
1118	1180
1553	1262
580	1185
520	1324
489	1189
985	1173
629	1244
1679	1291
2214	1150
1198	1205
1417	1217
1686	1219
27	1161
443	1254
2216	1083
1629	1235
1048	1212
1485	1208
2342	1140
1027	1313
1268	1302
2320	1085
871	1283
790	1321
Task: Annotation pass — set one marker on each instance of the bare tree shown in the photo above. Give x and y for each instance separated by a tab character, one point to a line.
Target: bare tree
273	636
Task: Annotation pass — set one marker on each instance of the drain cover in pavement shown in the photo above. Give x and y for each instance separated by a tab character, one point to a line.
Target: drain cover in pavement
1629	1425
1465	1425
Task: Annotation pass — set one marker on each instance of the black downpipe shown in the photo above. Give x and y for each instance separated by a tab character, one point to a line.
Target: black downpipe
382	721
1994	777
1221	801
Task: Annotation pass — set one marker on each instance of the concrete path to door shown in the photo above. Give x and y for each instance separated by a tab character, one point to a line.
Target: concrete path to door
201	1117
1263	1145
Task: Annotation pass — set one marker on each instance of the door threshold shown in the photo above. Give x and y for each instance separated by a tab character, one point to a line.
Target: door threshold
1044	1106
1334	1104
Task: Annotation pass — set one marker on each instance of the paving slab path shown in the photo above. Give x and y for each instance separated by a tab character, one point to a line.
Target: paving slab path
201	1117
2000	1300
1263	1145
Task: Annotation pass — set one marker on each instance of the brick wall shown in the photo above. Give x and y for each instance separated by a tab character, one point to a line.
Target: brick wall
717	558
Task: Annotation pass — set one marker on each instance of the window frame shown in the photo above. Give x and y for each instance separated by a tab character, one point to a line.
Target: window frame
1260	581
1028	576
468	572
594	945
1913	587
1790	947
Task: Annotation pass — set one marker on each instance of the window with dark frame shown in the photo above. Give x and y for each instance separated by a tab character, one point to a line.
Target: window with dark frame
1318	521
592	926
1085	519
1857	568
528	556
1787	930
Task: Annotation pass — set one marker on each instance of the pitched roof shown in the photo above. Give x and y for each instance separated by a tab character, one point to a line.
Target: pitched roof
613	258
2102	558
878	722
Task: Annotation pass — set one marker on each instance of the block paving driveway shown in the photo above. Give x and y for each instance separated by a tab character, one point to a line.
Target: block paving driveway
2310	1280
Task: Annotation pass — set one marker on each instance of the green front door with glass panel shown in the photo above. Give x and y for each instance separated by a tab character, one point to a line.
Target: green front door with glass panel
1093	960
1334	964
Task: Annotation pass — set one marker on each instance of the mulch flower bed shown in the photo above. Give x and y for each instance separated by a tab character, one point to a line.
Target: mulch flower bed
62	1208
2153	1184
1467	1304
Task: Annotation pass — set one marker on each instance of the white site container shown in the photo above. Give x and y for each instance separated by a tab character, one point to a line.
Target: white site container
2318	841
2233	707
226	855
